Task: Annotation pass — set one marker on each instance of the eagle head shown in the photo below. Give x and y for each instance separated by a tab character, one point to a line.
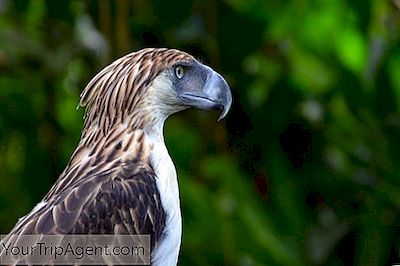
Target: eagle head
145	87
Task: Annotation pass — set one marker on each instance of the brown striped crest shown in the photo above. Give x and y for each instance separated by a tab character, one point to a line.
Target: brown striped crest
112	95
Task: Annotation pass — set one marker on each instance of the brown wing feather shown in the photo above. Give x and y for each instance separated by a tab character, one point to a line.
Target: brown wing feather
124	201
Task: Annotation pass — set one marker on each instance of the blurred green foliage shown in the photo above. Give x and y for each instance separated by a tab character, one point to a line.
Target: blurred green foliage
305	169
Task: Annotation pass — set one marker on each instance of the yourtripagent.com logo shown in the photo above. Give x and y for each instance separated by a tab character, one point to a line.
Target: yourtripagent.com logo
75	249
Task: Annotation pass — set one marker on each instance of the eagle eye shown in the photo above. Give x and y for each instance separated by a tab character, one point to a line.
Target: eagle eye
179	72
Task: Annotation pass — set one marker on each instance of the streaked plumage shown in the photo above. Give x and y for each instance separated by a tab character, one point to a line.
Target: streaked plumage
121	179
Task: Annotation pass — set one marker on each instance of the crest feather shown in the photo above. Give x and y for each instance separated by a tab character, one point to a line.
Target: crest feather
116	90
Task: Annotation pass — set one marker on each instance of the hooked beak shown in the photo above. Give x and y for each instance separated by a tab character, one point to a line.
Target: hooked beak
215	95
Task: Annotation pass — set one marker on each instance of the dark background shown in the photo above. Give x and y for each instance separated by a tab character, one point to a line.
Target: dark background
304	170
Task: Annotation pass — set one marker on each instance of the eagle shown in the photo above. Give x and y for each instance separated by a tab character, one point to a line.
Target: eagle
121	179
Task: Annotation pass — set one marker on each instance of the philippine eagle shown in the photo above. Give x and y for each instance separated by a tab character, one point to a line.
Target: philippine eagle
121	179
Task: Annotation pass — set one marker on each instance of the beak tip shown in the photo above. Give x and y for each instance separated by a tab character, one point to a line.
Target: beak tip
225	109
